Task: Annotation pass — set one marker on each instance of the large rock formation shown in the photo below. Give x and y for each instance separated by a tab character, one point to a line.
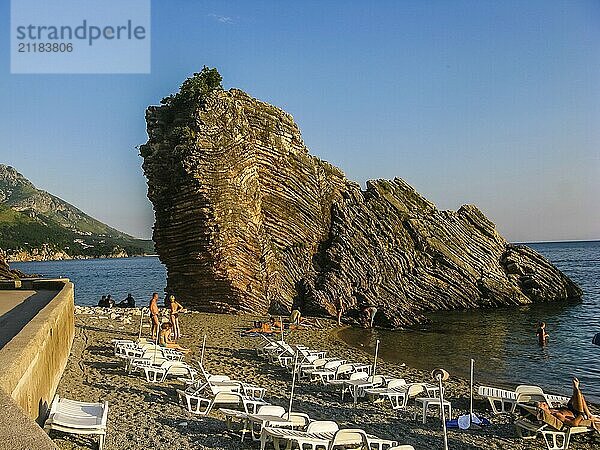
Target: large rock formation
248	221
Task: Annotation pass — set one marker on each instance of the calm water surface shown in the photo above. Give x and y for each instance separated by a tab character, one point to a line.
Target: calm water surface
502	341
96	277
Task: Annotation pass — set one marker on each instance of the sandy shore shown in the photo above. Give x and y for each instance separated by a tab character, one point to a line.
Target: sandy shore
147	416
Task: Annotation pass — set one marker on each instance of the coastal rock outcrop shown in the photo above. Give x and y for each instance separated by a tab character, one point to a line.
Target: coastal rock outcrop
6	273
38	226
246	220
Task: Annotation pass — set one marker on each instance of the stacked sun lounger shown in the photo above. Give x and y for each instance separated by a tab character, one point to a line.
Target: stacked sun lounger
76	417
200	397
324	434
155	362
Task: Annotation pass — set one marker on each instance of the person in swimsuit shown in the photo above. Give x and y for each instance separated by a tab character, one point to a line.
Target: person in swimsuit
576	410
153	306
174	309
542	335
164	338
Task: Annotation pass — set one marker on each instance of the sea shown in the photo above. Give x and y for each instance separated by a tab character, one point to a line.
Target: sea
501	341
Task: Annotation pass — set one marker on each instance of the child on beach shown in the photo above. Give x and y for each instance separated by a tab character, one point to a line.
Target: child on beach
542	335
164	338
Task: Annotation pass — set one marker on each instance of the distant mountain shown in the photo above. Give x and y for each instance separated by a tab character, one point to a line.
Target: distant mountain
37	225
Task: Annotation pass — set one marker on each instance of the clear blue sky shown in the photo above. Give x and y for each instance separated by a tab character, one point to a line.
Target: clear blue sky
485	102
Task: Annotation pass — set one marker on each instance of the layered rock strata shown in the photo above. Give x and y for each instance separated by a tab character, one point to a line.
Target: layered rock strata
246	220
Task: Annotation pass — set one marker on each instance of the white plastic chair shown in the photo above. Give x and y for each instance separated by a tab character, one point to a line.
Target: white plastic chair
271	410
528	393
327	369
349	437
300	420
322	426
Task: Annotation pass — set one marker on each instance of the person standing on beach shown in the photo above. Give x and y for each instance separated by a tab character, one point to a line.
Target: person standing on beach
542	335
174	309
153	306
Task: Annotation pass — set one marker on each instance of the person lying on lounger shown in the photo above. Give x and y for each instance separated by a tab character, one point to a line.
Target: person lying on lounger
164	338
270	327
576	410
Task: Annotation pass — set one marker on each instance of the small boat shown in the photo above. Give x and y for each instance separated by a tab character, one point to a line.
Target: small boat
596	339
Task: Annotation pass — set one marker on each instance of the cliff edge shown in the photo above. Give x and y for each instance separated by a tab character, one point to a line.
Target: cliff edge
246	220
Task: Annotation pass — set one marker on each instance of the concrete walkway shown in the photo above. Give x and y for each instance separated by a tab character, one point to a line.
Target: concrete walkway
17	308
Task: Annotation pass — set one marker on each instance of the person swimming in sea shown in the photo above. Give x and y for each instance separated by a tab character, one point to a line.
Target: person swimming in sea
542	335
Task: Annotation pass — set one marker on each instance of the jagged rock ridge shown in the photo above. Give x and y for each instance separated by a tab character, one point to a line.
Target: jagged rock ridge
246	220
37	225
6	273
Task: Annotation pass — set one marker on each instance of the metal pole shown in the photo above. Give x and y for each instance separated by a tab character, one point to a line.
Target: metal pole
293	384
443	412
471	399
281	325
157	337
202	354
375	362
141	322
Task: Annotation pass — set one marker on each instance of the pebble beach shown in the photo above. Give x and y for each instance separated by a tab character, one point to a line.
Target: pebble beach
148	416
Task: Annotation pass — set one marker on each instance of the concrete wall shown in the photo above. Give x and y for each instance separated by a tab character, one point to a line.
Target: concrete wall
33	361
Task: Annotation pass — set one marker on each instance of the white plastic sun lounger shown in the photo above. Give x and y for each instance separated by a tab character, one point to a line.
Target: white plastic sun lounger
202	404
400	393
265	415
556	434
504	401
158	374
75	417
326	439
218	383
358	383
